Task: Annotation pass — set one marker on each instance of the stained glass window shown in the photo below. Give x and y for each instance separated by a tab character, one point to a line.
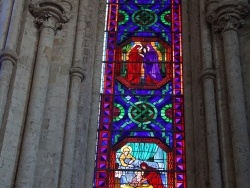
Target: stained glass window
141	124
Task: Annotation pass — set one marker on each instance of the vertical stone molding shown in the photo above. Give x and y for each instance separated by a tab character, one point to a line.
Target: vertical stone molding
12	16
76	77
208	75
226	18
8	59
98	25
5	17
50	17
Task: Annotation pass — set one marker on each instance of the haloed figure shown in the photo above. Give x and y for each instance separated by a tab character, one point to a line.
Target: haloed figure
127	162
126	158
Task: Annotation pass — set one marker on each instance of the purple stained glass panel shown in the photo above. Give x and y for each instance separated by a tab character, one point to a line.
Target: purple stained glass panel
141	127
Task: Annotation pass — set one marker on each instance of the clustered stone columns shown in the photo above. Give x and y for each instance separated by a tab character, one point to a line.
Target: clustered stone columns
50	17
9	40
8	45
208	76
226	18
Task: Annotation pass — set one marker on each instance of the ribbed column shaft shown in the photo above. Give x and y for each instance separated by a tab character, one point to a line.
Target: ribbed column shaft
70	134
9	59
226	18
76	78
26	171
5	78
10	44
223	116
5	21
15	25
237	108
95	99
212	133
208	75
49	18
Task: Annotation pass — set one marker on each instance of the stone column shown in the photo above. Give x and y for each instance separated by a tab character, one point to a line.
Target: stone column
9	56
208	76
227	18
8	60
50	17
5	17
76	77
224	130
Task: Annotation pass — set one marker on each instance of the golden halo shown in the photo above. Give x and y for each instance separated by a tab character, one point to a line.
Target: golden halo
126	146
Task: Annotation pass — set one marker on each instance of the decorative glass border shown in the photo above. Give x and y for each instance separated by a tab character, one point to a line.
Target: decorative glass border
105	167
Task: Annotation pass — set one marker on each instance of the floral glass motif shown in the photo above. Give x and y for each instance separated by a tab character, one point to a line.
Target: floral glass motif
141	124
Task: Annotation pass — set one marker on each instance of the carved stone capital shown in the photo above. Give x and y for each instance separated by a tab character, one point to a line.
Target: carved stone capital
208	73
49	14
9	55
229	22
228	15
78	72
208	2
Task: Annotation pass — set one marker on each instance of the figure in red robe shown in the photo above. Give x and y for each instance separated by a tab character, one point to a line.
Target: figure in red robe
152	176
134	65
